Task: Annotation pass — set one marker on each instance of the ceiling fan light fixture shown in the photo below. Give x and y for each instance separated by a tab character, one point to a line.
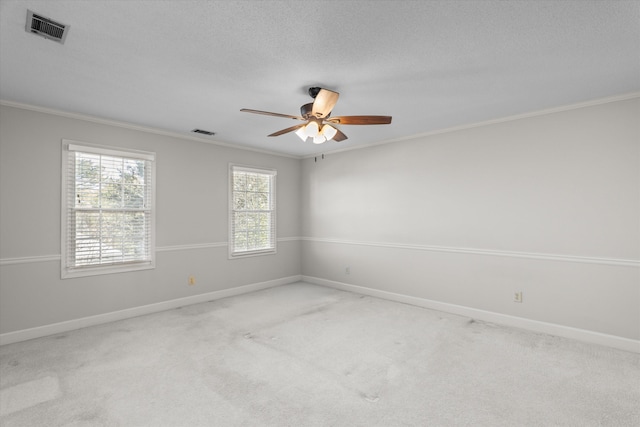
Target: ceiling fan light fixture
302	134
329	132
319	139
312	129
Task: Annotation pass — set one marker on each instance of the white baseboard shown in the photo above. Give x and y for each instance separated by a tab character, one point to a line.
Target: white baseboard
583	335
487	316
70	325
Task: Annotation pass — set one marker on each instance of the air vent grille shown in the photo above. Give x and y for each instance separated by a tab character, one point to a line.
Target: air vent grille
45	27
203	132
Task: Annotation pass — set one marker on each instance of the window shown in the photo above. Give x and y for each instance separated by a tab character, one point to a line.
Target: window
252	211
108	215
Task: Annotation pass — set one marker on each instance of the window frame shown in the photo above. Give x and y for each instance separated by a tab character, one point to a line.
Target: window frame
69	147
273	248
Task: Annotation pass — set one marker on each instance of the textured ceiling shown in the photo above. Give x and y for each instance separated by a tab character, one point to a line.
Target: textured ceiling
180	65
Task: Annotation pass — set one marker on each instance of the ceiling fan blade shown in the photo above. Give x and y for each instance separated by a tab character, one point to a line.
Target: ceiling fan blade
360	120
339	136
325	101
267	113
287	130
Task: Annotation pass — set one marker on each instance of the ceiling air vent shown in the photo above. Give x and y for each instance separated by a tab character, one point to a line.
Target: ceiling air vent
46	27
203	132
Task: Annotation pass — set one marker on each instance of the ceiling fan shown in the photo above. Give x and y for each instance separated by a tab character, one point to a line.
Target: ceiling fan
319	126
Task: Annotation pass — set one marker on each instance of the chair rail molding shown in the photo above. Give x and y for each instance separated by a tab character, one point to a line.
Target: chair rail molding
476	251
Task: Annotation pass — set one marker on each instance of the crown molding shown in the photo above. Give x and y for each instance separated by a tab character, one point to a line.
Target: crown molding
139	128
568	107
131	126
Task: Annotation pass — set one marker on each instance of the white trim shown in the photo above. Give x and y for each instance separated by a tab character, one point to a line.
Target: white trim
131	126
289	239
544	112
29	259
99	270
70	325
191	247
172	248
125	125
583	335
86	147
489	252
250	169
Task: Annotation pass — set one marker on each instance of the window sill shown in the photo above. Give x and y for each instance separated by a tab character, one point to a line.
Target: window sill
248	254
96	271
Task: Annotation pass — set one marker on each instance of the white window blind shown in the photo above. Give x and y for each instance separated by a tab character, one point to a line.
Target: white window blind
252	211
108	216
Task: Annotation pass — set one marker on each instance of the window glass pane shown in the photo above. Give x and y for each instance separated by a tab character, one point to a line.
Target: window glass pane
263	183
241	241
251	201
135	245
239	182
133	196
87	237
133	171
111	195
261	201
251	220
240	221
87	180
263	240
239	201
112	169
87	196
252	182
111	230
87	167
251	238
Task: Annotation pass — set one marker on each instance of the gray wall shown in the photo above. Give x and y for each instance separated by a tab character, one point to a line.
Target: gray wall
548	205
191	228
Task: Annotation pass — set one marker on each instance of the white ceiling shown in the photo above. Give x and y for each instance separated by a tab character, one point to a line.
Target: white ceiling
179	65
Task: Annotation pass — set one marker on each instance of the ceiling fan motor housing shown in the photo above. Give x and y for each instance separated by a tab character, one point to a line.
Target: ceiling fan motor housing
306	111
313	91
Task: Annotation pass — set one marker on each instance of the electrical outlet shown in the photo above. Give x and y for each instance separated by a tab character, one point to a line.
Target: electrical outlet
192	280
517	297
347	270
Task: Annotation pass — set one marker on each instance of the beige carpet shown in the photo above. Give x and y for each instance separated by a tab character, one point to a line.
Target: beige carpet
304	355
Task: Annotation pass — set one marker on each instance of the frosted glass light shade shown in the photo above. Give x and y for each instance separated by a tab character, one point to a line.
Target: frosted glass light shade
319	139
312	130
302	133
329	132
